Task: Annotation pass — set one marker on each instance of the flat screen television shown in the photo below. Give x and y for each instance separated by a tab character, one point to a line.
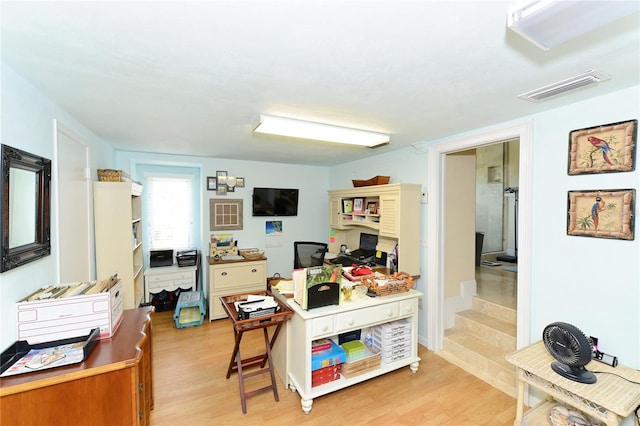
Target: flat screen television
275	202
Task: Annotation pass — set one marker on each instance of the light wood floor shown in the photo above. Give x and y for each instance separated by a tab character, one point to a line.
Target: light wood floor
191	389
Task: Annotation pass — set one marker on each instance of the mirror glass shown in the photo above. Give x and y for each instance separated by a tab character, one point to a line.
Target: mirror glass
25	230
22	203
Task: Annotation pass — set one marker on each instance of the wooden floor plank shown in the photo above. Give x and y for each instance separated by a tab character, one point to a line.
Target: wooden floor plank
190	366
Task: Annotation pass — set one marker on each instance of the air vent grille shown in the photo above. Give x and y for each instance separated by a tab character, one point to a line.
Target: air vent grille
573	83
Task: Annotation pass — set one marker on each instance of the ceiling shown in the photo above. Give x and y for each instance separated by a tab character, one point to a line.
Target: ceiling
192	78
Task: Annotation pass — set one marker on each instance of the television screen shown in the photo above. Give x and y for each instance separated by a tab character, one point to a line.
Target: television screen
275	202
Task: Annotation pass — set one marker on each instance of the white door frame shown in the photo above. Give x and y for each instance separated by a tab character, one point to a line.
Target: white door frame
435	227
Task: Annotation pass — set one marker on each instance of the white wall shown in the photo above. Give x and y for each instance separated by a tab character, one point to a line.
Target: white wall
592	283
27	123
311	224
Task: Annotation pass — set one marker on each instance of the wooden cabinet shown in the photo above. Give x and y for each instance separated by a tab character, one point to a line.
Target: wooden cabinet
118	228
611	399
169	278
233	277
292	352
396	220
114	385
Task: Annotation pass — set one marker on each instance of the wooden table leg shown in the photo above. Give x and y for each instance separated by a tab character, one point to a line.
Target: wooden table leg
267	345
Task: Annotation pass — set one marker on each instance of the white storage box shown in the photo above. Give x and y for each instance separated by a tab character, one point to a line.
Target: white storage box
60	318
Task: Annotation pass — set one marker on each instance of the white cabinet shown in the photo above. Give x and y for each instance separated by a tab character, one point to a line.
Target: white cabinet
233	277
292	352
118	231
169	278
396	220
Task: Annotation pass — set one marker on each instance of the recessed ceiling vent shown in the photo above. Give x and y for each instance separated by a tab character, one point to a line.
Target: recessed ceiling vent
573	83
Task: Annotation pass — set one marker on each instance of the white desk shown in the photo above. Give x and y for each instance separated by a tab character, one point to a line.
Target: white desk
169	278
292	356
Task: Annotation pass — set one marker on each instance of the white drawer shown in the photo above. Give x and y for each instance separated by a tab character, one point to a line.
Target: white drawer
231	276
175	276
322	326
367	316
408	307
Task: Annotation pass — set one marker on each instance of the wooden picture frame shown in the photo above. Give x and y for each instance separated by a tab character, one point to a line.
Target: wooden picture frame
225	214
608	148
372	207
212	183
601	214
358	205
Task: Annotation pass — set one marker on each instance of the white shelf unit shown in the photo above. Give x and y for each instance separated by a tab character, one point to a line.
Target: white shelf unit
397	220
292	352
169	278
118	231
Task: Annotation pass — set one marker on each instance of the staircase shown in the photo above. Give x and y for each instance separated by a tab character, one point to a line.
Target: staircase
479	341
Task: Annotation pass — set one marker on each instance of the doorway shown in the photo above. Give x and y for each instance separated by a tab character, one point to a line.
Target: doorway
436	224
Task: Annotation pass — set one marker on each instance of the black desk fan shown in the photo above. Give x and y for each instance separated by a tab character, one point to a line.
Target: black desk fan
572	349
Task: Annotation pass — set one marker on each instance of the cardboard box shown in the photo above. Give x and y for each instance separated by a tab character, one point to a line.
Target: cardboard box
66	317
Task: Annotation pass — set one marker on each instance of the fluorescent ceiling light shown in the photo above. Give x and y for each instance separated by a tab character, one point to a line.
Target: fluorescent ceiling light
573	83
548	23
318	131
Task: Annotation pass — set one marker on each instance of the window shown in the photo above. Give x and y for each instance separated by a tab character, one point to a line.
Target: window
169	212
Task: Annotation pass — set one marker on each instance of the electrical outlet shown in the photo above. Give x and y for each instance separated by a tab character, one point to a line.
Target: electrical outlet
424	199
420	304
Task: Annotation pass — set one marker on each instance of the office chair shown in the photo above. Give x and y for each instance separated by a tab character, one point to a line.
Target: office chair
307	253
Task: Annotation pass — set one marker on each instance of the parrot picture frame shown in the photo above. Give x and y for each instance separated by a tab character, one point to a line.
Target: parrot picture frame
601	213
608	148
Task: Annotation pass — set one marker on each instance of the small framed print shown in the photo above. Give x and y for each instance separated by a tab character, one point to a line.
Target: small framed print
347	205
211	183
358	205
601	213
608	148
372	207
240	182
221	175
222	189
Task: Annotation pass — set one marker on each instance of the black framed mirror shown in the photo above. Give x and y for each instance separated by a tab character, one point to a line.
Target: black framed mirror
26	208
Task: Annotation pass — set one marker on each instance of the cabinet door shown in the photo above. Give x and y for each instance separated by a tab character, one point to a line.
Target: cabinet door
389	215
335	213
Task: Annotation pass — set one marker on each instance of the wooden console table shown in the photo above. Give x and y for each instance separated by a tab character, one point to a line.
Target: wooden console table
610	399
114	385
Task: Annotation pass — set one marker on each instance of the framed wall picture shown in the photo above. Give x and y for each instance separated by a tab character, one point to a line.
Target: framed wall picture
358	205
221	175
240	182
607	148
211	183
372	207
602	214
225	214
221	189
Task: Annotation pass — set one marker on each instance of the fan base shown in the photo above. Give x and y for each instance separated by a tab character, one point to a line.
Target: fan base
580	375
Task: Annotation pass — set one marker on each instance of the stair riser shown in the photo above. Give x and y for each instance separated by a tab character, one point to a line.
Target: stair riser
494	310
498	376
486	333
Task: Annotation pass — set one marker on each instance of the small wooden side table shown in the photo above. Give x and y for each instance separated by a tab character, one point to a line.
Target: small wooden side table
259	323
611	399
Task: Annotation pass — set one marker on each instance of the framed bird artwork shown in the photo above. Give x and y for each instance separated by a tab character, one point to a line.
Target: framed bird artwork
608	148
601	214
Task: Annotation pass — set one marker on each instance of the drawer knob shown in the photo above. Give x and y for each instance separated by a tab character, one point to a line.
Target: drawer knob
325	328
389	313
223	274
254	270
351	321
